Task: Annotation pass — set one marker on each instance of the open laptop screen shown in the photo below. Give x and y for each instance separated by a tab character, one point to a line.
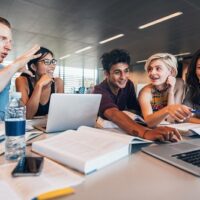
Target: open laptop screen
69	111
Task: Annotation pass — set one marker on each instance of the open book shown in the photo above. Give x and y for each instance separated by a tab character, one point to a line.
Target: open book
187	129
52	177
87	149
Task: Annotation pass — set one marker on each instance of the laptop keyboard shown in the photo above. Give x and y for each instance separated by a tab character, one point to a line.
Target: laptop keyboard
192	157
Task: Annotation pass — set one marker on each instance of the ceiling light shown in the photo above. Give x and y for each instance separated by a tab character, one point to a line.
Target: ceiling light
180	54
183	54
141	61
84	49
67	56
160	20
111	38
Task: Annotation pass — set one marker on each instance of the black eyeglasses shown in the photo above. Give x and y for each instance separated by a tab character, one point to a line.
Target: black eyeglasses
49	62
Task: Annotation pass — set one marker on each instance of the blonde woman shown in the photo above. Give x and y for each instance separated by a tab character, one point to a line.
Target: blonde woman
160	100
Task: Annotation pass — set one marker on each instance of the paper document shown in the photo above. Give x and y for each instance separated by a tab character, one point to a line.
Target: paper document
52	177
187	129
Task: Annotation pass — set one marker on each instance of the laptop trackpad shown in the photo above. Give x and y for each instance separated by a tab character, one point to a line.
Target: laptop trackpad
184	146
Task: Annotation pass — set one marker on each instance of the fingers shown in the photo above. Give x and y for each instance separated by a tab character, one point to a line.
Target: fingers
179	112
166	134
36	56
178	116
171	80
172	135
177	134
33	50
160	138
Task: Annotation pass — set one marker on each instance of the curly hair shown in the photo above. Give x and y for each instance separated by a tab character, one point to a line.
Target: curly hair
192	79
113	57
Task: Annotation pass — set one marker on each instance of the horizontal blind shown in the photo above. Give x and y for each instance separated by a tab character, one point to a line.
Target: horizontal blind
74	78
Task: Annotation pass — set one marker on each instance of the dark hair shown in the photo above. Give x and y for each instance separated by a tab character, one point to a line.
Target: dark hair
113	57
192	79
5	22
43	51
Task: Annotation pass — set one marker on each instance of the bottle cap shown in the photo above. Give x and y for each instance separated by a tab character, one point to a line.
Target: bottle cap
16	95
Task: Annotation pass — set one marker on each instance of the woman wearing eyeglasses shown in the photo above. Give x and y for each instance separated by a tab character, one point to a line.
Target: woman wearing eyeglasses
37	89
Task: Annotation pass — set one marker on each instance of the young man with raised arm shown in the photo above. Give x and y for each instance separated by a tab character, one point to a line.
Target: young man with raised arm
7	72
118	94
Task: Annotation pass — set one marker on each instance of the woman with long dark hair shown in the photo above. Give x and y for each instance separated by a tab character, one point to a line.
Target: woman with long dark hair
192	98
36	90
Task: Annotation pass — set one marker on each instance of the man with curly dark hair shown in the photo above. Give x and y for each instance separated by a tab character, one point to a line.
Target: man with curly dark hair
118	94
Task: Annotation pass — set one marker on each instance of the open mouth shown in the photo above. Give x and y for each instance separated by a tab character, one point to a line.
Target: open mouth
122	82
3	55
154	78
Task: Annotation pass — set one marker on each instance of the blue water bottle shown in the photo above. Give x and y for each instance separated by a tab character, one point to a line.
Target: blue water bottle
15	123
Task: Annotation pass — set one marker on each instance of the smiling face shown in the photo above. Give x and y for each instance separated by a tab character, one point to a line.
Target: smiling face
118	76
5	41
198	69
45	66
158	72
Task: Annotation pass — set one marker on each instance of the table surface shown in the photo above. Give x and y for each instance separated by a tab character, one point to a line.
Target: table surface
138	176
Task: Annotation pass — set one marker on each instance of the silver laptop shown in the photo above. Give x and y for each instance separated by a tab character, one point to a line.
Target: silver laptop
69	111
184	154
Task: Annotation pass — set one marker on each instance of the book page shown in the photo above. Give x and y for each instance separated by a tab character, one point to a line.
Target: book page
52	177
194	131
185	127
76	148
129	139
82	143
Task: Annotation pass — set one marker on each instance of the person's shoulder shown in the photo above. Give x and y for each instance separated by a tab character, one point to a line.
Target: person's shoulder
58	79
180	84
180	81
102	85
21	79
145	92
130	82
146	88
21	82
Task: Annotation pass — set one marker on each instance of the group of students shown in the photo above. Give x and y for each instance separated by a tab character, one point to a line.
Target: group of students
165	98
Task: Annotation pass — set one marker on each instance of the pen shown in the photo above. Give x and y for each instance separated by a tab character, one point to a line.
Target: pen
55	193
195	111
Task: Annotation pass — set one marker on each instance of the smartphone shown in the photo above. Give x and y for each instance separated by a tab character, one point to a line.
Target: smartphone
28	166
